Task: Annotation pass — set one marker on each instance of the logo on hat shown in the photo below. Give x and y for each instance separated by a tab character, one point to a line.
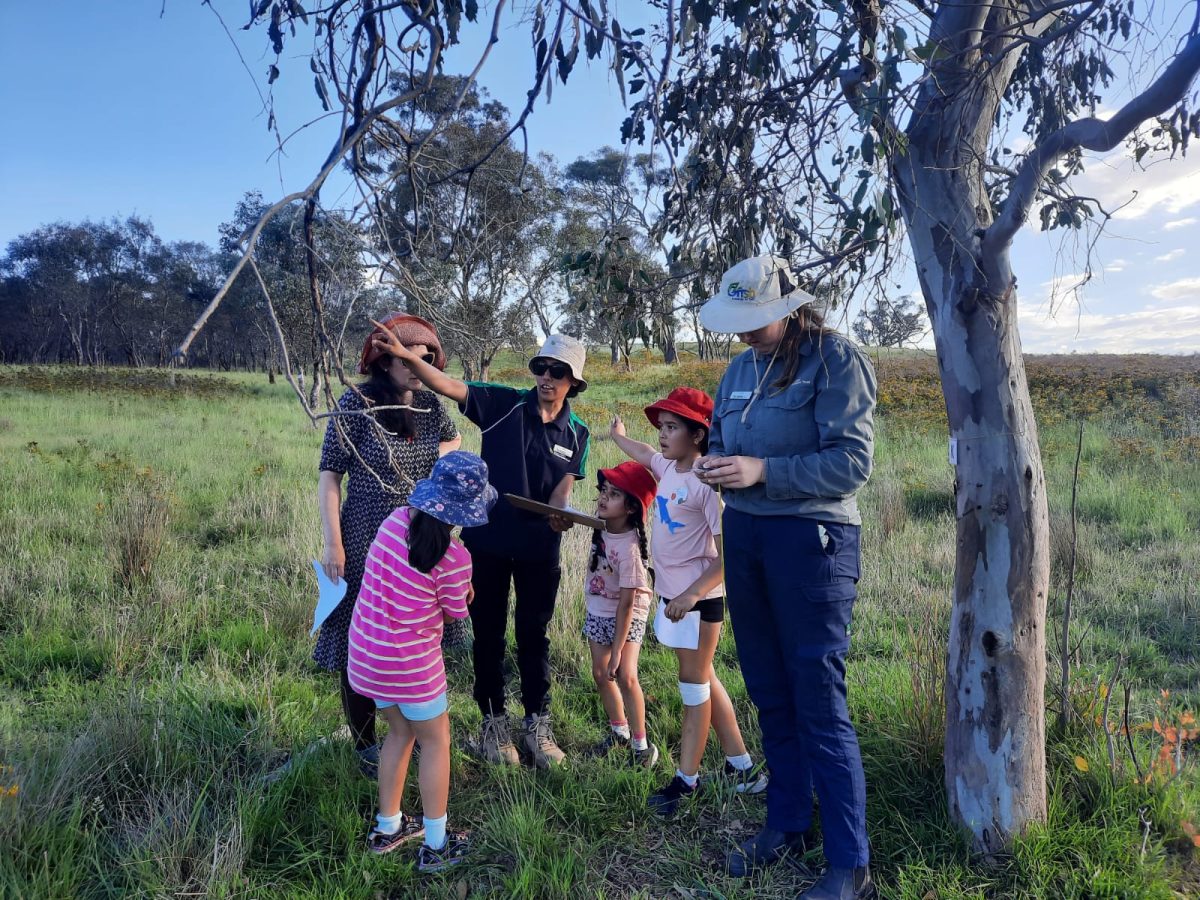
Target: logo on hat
737	292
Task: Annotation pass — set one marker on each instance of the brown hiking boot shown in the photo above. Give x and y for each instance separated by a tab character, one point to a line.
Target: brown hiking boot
537	743
495	742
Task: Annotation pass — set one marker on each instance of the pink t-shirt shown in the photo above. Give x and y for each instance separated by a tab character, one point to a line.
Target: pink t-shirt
685	522
396	631
620	566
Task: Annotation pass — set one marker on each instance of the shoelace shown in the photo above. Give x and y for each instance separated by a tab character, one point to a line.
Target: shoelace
542	733
498	729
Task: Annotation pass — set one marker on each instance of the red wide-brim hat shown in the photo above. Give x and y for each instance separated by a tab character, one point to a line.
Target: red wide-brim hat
687	403
634	479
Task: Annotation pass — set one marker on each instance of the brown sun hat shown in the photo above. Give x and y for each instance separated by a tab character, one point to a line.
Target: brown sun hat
411	330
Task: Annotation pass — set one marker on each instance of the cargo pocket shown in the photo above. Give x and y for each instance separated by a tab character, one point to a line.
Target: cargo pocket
841	545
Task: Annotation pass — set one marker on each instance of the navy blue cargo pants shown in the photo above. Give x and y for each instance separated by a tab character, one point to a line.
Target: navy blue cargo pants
791	584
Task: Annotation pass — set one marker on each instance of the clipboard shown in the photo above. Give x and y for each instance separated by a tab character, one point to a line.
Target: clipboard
545	509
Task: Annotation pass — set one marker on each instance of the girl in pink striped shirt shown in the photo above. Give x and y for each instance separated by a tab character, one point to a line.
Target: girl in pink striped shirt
416	576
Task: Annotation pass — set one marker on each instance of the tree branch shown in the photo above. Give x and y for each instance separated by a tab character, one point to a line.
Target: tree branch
1090	134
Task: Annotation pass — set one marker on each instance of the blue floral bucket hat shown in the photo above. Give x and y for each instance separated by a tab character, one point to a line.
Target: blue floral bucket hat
457	490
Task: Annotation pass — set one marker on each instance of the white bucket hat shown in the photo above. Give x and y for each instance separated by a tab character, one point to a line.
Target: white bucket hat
566	349
756	292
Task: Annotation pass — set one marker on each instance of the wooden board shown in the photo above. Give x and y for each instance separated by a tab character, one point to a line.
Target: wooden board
545	509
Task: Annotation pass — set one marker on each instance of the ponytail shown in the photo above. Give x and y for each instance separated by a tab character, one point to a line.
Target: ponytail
428	541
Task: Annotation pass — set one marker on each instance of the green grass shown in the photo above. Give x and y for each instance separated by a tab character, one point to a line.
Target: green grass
139	711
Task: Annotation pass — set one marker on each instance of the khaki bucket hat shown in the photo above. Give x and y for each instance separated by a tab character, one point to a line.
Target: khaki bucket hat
566	349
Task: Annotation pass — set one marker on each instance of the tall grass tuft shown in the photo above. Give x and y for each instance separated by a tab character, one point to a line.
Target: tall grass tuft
140	514
928	634
892	511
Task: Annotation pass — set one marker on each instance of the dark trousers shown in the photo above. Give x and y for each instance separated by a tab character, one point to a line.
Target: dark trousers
536	583
791	589
360	714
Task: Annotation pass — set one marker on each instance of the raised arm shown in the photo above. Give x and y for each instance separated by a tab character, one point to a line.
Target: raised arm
431	376
635	450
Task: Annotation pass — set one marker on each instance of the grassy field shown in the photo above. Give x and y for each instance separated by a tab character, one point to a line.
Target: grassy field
154	659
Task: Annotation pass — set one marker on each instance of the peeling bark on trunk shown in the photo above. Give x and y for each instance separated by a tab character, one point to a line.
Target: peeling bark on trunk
996	669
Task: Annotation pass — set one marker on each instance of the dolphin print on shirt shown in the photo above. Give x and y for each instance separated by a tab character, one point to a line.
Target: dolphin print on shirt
664	515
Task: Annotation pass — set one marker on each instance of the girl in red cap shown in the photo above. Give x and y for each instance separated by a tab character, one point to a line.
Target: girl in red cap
618	594
686	528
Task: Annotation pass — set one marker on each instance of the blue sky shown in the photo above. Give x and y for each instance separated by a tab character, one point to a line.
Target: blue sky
143	107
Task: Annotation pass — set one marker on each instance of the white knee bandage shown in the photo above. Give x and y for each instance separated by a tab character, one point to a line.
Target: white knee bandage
694	694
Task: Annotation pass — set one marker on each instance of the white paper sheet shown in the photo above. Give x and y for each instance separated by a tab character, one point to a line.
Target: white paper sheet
329	595
684	634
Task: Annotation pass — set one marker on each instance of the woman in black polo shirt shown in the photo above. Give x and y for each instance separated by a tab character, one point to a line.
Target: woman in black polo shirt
536	447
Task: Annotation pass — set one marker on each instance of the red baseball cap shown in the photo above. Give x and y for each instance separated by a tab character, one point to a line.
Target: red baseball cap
635	479
687	403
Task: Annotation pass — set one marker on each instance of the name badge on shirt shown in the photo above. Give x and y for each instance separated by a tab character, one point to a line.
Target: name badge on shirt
561	452
739	395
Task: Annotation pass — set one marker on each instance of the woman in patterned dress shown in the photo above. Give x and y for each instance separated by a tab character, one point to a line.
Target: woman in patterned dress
384	453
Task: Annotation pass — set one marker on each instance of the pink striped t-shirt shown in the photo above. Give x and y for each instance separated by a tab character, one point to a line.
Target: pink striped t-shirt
396	631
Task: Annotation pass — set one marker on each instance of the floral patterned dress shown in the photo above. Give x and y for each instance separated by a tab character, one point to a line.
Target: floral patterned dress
363	453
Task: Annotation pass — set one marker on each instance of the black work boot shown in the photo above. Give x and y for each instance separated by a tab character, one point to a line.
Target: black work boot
842	884
766	848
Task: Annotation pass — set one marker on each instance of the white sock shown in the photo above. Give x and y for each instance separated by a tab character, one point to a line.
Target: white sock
388	824
435	832
741	763
639	743
689	780
621	730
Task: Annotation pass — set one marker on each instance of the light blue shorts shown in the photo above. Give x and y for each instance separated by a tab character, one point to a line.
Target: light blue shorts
419	712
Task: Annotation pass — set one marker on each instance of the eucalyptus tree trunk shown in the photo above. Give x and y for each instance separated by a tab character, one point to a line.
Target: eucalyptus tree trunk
995	758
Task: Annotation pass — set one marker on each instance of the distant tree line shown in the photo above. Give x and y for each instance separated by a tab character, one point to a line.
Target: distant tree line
525	248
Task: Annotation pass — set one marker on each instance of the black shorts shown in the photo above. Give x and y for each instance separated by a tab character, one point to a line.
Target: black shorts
711	609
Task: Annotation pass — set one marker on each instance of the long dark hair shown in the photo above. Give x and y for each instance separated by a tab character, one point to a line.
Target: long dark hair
428	541
801	325
634	507
381	391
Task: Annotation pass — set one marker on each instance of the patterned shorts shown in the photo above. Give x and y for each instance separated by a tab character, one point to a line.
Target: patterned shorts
602	630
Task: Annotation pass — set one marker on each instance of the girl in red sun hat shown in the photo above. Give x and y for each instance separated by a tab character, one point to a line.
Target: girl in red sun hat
617	593
686	528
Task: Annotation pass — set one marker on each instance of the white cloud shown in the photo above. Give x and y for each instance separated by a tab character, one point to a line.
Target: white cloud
1117	265
1165	187
1170	255
1165	330
1181	289
1178	223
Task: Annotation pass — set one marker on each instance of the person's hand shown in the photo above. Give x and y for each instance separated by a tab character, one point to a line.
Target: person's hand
334	563
617	428
470	594
559	523
679	607
614	662
386	340
733	471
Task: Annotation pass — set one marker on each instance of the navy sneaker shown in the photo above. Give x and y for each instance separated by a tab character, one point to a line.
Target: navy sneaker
666	801
747	781
453	853
382	842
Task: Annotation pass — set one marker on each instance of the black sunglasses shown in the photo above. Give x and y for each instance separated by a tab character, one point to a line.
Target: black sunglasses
428	358
557	370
